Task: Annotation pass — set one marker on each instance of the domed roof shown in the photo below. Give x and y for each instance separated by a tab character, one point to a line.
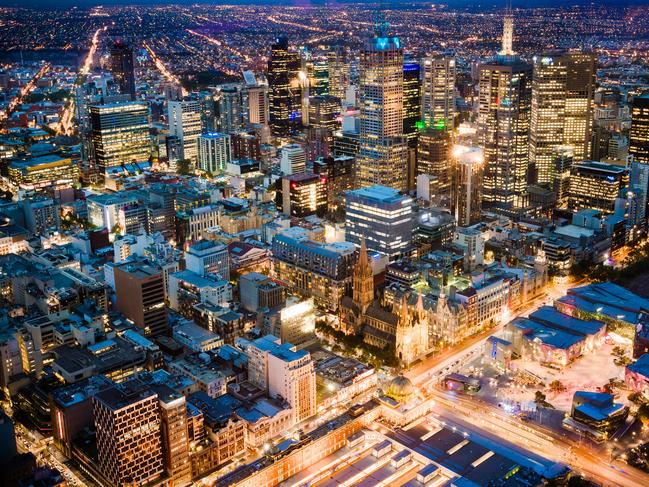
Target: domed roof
400	388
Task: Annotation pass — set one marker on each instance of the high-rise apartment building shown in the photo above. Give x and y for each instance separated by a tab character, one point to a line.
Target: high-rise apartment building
434	159
230	103
256	98
382	217
505	87
140	296
184	117
438	92
639	134
383	154
561	110
122	66
129	444
214	152
283	371
172	408
467	191
120	133
285	107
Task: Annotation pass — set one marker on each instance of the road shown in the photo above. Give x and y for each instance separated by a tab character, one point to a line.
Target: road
67	127
18	99
168	75
494	422
46	454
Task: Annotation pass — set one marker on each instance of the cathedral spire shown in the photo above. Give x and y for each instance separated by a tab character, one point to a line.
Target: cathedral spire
404	315
363	280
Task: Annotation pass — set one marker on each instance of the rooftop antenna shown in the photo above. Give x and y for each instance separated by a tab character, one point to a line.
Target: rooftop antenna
380	24
508	32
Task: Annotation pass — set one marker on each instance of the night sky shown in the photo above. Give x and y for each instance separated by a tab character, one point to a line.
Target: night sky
474	5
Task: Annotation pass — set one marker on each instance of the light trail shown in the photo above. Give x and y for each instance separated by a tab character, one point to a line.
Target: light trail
66	126
273	18
222	44
28	88
168	75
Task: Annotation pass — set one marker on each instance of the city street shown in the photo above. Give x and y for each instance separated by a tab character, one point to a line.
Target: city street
488	419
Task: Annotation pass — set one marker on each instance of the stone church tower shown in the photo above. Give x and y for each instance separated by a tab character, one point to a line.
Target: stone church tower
363	281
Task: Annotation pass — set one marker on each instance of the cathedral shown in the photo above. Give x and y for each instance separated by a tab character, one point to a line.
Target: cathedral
383	325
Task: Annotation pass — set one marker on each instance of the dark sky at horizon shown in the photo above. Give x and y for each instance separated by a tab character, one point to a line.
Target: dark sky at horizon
472	4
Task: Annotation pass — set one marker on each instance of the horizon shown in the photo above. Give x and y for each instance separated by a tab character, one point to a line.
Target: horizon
452	4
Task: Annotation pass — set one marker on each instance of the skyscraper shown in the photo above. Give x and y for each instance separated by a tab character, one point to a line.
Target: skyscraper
639	135
438	92
184	118
411	101
434	158
256	98
120	133
382	217
562	109
283	69
122	66
129	443
383	154
468	185
214	152
230	103
338	66
505	86
508	35
319	77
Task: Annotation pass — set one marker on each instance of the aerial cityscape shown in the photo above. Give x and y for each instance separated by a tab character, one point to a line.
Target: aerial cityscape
324	244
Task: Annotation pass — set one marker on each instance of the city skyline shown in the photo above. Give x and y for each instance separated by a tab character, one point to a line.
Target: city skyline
253	245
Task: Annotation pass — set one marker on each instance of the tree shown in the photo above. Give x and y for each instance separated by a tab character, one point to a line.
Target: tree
184	167
636	398
540	400
557	387
643	413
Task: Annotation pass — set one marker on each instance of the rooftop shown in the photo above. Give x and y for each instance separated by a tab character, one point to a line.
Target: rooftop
640	366
285	351
198	280
381	194
602	166
124	394
553	317
557	338
40	160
